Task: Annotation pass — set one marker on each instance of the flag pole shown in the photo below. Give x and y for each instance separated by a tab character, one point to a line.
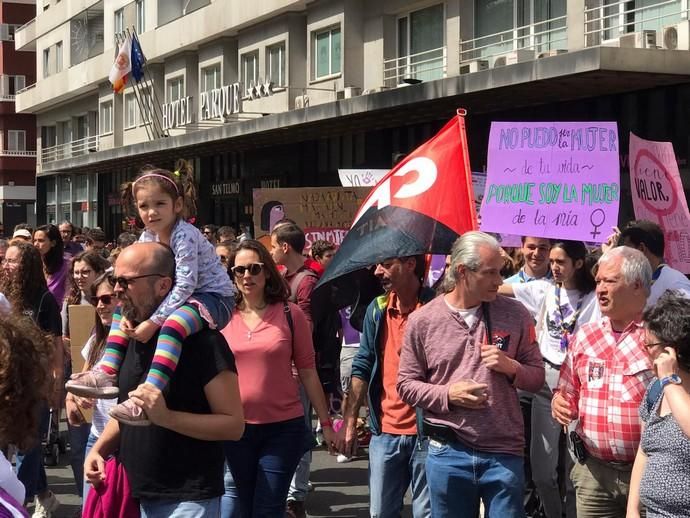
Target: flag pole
138	95
158	115
461	114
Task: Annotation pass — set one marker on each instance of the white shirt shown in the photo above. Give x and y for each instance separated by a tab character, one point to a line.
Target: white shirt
536	294
669	279
9	481
101	406
469	315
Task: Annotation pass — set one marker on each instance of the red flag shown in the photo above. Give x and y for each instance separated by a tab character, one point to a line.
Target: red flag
433	180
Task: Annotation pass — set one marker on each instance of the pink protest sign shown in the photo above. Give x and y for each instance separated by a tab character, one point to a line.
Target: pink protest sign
552	179
658	196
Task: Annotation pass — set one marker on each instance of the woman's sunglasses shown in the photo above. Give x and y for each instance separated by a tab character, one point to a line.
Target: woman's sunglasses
253	269
105	299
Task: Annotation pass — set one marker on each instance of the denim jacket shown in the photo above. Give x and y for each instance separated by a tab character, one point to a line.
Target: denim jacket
366	365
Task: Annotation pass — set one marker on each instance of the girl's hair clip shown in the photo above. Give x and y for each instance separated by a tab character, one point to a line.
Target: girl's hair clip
176	172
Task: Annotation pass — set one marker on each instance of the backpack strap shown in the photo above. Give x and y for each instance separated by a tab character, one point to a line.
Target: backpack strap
654	394
291	324
297	280
487	322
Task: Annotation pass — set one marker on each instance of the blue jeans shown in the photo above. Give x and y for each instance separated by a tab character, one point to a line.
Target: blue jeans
459	476
30	469
262	463
396	462
86	486
78	436
176	509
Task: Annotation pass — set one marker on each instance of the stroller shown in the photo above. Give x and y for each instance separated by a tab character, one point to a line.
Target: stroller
53	444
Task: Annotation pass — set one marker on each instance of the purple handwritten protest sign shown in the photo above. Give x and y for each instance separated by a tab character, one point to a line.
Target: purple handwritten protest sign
658	196
552	179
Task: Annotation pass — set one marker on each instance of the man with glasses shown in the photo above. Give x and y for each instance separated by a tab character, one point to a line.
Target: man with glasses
603	382
397	450
176	467
209	232
67	232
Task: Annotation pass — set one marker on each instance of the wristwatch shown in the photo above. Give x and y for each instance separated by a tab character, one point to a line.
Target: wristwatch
673	379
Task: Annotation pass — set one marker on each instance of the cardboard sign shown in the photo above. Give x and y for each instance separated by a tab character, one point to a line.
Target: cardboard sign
361	177
322	212
553	179
81	323
658	196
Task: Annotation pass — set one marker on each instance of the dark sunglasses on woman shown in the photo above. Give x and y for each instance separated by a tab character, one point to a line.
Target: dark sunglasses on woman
253	269
105	299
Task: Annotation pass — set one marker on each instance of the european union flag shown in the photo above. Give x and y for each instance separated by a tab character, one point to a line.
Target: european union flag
138	60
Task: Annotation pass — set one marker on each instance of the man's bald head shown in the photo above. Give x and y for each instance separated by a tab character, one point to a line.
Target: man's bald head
153	257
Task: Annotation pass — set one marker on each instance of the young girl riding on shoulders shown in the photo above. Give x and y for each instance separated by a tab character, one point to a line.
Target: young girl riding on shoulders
203	293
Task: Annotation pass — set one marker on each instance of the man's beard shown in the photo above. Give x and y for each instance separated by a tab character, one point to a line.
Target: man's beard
137	315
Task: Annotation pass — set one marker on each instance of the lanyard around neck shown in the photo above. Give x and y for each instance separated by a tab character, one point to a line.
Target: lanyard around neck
567	328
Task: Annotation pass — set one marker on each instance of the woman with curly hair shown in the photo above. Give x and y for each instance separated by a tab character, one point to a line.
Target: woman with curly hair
48	242
25	364
24	285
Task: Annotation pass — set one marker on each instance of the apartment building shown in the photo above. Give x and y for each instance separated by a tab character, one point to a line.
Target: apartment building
284	92
17	131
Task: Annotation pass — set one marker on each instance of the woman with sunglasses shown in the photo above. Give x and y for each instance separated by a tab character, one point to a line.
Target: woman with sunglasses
102	297
84	269
660	478
268	336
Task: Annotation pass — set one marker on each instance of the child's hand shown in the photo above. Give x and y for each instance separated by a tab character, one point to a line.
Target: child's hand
145	331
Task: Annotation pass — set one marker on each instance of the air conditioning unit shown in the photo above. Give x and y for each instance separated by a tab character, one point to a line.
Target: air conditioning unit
551	53
301	101
676	37
348	92
474	66
368	91
638	40
516	56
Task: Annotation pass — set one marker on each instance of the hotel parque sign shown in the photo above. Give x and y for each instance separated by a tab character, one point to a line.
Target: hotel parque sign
217	104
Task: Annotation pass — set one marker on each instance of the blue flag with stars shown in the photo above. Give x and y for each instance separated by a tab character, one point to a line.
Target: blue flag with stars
137	60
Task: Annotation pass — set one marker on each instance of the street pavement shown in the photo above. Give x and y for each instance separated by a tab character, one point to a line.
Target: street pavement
339	489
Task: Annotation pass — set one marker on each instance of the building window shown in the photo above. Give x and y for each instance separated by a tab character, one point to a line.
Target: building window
119	21
250	69
175	89
147	108
58	56
326	56
210	78
140	25
130	111
275	64
106	118
420	45
46	62
14	84
16	140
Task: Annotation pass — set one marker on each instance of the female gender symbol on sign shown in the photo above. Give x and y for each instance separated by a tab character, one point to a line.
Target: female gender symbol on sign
599	215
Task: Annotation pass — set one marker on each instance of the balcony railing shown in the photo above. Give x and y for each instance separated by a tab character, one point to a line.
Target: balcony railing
33	20
537	38
20	153
605	24
26	88
423	66
6	98
71	149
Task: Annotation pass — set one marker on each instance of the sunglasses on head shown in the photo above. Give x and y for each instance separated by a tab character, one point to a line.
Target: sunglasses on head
106	299
253	269
124	282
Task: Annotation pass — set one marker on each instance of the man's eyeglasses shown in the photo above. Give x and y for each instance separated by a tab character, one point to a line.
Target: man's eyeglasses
124	282
106	300
253	269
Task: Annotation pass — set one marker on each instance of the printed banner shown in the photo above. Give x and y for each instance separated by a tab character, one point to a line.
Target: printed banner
553	179
361	177
658	196
479	186
322	212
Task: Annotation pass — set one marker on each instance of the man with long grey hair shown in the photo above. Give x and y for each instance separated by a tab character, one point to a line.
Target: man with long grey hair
464	355
603	382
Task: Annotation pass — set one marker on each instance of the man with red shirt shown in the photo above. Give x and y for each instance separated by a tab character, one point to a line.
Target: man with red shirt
397	450
602	383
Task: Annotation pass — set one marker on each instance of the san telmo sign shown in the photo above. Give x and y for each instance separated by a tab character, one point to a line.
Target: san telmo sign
216	104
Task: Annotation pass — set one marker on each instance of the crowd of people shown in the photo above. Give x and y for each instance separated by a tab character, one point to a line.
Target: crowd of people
547	381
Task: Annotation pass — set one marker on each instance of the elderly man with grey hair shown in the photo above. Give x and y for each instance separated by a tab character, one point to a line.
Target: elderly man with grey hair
602	383
464	355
